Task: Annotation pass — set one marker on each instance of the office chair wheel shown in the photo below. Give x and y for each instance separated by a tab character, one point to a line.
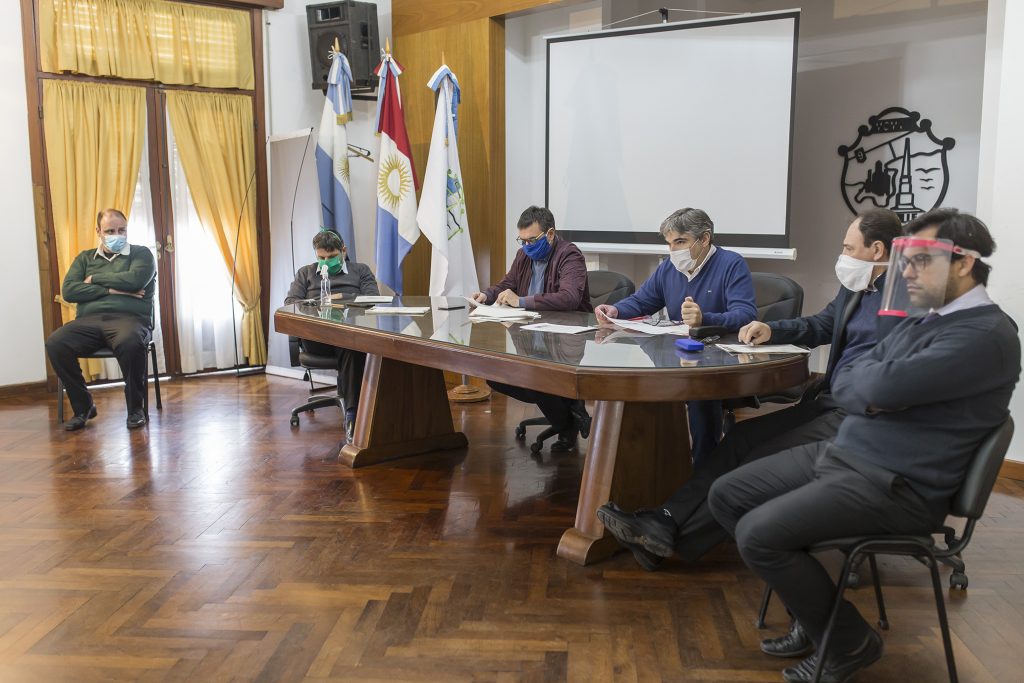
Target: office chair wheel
295	420
958	580
536	446
520	432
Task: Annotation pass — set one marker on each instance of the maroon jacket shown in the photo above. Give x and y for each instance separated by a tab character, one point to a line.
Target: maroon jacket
565	280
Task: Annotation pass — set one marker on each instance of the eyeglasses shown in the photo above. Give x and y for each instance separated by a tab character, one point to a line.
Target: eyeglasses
917	262
529	240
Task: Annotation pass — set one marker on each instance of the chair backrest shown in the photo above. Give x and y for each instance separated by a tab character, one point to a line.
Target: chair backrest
608	287
777	297
981	475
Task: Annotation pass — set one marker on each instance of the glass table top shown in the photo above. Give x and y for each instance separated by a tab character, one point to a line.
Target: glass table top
605	347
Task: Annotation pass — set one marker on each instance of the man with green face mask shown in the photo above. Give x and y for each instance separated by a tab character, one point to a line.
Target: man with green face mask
346	278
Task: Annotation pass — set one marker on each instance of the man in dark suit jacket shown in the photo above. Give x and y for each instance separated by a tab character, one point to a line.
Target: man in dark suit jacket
547	274
683	524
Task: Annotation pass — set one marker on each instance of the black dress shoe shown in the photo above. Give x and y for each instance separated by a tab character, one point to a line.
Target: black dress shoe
136	419
350	429
796	643
652	530
580	417
565	442
838	668
78	421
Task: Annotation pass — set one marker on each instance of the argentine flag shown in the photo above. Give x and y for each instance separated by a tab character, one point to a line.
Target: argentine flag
332	153
442	214
396	180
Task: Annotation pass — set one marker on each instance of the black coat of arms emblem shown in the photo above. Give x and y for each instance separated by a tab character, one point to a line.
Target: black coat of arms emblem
897	163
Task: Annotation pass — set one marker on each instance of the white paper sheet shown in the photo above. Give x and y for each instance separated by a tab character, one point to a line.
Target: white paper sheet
373	299
765	348
646	328
557	329
484	312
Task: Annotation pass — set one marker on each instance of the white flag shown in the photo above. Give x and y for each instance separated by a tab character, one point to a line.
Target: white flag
442	210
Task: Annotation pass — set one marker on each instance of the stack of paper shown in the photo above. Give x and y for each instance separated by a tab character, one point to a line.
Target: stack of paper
373	299
501	313
647	328
399	310
557	329
768	348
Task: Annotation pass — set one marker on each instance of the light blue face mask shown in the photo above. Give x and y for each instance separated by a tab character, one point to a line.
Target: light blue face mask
114	243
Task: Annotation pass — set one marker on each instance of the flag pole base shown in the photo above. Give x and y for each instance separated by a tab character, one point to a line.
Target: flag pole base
467	393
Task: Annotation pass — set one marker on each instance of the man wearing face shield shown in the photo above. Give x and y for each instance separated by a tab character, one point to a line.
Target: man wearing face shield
347	278
683	525
918	405
698	284
548	274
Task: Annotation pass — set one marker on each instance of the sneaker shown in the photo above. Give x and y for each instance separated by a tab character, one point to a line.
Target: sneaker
136	419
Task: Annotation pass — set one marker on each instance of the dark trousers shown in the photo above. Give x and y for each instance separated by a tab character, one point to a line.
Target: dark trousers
778	506
749	440
554	408
350	369
127	335
705	428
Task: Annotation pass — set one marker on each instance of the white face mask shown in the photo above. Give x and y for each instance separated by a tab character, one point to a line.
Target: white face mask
853	273
683	259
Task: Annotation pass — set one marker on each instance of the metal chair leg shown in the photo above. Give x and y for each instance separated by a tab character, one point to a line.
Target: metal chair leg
883	620
60	401
822	652
940	607
766	598
156	379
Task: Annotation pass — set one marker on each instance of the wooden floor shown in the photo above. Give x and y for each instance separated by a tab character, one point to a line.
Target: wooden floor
221	544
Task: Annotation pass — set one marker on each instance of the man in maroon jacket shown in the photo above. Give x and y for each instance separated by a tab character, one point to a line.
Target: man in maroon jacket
547	274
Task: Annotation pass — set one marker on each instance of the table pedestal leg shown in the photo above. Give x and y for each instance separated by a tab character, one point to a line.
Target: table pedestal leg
639	454
403	411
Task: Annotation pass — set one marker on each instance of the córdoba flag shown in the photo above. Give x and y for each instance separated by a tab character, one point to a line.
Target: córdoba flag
332	153
396	180
442	214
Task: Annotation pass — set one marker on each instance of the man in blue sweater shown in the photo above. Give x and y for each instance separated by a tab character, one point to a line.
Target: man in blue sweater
700	285
683	524
918	405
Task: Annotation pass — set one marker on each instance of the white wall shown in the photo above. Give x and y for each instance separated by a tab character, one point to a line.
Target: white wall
293	104
1000	201
931	61
21	318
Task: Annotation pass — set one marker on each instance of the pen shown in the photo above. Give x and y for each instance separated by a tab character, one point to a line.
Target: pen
708	340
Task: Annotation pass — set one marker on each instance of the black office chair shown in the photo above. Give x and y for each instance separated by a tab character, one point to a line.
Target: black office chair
968	504
777	298
309	362
606	287
109	353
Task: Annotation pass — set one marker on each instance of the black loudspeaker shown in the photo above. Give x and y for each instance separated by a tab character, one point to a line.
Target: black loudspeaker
354	26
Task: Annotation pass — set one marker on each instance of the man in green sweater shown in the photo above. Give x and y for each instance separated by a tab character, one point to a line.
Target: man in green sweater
113	287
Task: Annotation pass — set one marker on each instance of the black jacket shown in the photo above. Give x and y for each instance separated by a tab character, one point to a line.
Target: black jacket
829	327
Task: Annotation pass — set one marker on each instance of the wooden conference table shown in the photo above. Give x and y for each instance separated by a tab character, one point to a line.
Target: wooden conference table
639	441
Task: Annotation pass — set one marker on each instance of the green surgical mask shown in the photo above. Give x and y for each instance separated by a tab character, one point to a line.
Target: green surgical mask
334	265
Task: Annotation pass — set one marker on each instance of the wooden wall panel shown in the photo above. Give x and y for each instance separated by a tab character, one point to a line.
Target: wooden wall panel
415	16
475	51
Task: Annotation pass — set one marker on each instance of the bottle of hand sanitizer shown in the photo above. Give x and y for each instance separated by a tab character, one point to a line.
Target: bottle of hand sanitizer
325	286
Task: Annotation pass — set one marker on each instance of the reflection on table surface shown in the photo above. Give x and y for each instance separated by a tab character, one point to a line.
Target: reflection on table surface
606	346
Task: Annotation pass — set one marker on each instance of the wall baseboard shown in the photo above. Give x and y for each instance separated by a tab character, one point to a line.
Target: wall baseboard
298	373
1012	469
26	389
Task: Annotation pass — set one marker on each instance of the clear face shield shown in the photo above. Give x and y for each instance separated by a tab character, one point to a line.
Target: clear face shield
918	275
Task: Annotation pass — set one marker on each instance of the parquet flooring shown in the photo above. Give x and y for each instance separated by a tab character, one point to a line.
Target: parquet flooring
220	544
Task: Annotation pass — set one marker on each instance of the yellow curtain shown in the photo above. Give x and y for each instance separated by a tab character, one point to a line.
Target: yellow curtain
214	134
94	135
151	40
